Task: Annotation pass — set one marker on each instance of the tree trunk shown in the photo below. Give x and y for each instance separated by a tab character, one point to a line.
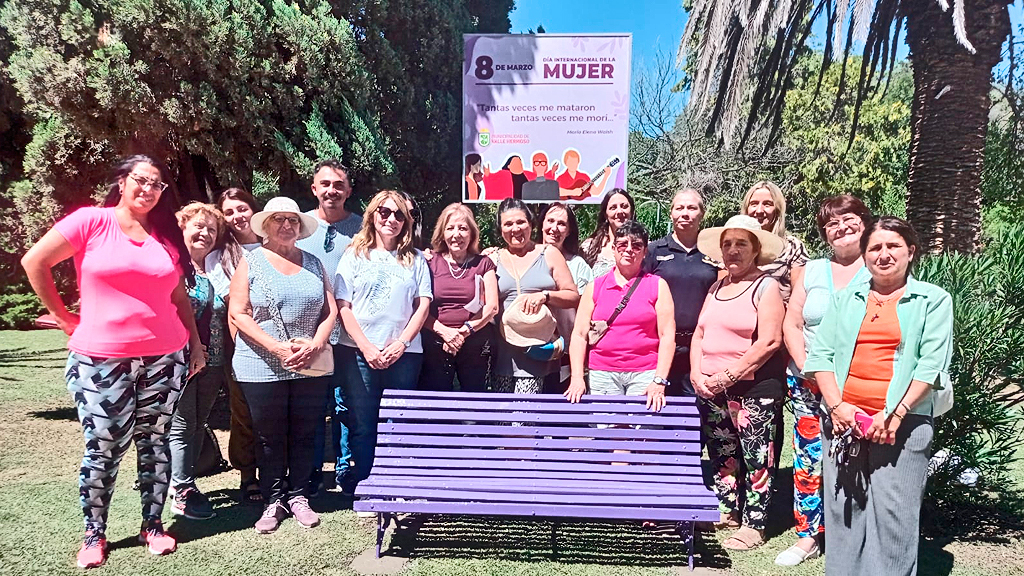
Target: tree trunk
949	119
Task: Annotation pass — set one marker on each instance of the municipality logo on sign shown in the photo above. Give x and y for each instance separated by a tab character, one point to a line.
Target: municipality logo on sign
484	138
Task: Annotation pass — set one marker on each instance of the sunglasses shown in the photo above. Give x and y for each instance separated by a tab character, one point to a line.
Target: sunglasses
384	212
624	245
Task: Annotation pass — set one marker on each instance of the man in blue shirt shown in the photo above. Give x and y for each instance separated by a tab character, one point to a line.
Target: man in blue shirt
335	229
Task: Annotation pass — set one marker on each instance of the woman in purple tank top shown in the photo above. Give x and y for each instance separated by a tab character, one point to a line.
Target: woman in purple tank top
739	374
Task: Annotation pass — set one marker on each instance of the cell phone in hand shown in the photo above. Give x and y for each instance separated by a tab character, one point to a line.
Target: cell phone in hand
864	422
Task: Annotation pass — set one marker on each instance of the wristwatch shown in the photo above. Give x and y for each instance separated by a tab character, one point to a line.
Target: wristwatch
406	343
468	326
660	380
547	295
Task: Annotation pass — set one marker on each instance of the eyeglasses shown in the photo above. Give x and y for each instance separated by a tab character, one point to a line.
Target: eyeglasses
623	245
280	220
384	212
848	220
540	162
147	184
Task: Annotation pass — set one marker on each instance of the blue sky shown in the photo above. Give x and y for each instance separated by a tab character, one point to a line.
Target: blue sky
655	24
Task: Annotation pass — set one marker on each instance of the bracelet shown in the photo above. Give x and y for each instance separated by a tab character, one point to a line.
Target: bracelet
833	408
898	416
905	407
468	326
731	377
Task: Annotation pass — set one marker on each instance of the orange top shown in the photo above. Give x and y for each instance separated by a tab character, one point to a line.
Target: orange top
872	366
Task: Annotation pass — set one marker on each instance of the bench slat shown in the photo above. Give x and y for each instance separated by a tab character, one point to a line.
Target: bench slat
623	499
427	475
691	435
565	407
418	462
555	398
565	486
649	419
537	443
698	514
556	455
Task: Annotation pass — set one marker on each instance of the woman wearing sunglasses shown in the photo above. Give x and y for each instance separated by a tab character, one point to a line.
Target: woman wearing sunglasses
634	355
383	292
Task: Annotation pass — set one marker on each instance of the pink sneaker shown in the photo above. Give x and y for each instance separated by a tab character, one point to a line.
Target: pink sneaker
93	552
156	540
303	514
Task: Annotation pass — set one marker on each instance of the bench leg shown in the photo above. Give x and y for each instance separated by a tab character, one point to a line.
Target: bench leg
685	530
383	520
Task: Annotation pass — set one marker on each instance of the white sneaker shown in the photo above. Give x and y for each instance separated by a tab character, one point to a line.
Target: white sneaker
795	555
366	514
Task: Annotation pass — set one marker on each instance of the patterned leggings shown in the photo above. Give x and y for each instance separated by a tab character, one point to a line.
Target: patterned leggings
807	504
739	433
118	400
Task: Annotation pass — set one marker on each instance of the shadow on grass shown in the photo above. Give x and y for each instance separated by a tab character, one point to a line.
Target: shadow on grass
64	413
547	540
27	358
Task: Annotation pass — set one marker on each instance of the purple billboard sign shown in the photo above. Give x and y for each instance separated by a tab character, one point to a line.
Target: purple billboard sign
545	117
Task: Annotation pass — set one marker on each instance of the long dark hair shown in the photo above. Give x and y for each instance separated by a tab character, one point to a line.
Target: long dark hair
571	244
417	221
231	250
600	236
162	220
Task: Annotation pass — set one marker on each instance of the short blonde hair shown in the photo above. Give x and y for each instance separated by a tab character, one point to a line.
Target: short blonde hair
193	209
451	211
779	226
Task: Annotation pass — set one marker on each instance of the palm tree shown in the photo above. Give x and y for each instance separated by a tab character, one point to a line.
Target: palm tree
741	55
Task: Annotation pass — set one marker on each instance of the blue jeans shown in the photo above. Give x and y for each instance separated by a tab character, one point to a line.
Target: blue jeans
363	388
335	407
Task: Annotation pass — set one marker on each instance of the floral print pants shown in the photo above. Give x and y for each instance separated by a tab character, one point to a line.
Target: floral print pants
740	433
807	504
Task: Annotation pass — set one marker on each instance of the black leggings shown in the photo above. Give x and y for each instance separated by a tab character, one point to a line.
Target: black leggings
470	364
285	415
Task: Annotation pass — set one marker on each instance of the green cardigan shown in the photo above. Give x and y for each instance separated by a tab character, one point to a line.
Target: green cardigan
925	314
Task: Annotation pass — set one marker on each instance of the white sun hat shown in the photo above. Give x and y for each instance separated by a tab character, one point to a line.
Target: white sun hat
709	241
283	205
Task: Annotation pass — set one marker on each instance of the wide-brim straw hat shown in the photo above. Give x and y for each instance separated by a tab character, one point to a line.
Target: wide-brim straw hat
709	241
521	329
283	205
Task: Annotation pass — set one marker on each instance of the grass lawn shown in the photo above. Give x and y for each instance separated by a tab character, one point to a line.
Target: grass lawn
40	522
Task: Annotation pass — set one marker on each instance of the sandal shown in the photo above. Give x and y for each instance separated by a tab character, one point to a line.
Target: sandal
250	492
727	522
746	538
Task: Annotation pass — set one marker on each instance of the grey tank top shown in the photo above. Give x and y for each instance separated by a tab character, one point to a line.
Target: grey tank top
299	297
511	360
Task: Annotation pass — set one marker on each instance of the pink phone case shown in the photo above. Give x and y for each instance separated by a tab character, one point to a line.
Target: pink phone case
864	422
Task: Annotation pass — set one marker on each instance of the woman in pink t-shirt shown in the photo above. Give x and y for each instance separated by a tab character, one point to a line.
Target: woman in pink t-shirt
634	355
128	356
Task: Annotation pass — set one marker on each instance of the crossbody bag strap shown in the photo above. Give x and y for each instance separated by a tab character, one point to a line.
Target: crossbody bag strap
261	280
625	299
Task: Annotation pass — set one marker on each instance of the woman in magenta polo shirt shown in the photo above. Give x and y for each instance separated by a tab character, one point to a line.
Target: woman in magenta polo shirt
128	356
634	355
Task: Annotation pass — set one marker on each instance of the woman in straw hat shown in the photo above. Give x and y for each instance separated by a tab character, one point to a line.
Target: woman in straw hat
531	279
280	301
634	354
739	374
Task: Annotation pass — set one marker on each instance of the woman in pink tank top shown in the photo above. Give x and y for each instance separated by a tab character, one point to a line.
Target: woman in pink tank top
634	355
739	374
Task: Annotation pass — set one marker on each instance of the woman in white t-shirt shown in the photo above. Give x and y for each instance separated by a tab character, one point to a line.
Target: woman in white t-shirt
383	290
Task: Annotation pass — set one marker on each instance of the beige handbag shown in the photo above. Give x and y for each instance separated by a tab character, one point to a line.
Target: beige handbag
598	328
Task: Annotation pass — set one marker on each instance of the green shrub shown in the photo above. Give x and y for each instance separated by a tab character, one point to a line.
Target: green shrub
18	310
986	425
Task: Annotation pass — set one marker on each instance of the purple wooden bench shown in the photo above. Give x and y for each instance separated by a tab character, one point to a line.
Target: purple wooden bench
456	453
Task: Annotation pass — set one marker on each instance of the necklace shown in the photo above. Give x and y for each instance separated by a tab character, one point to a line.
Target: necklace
462	268
880	302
